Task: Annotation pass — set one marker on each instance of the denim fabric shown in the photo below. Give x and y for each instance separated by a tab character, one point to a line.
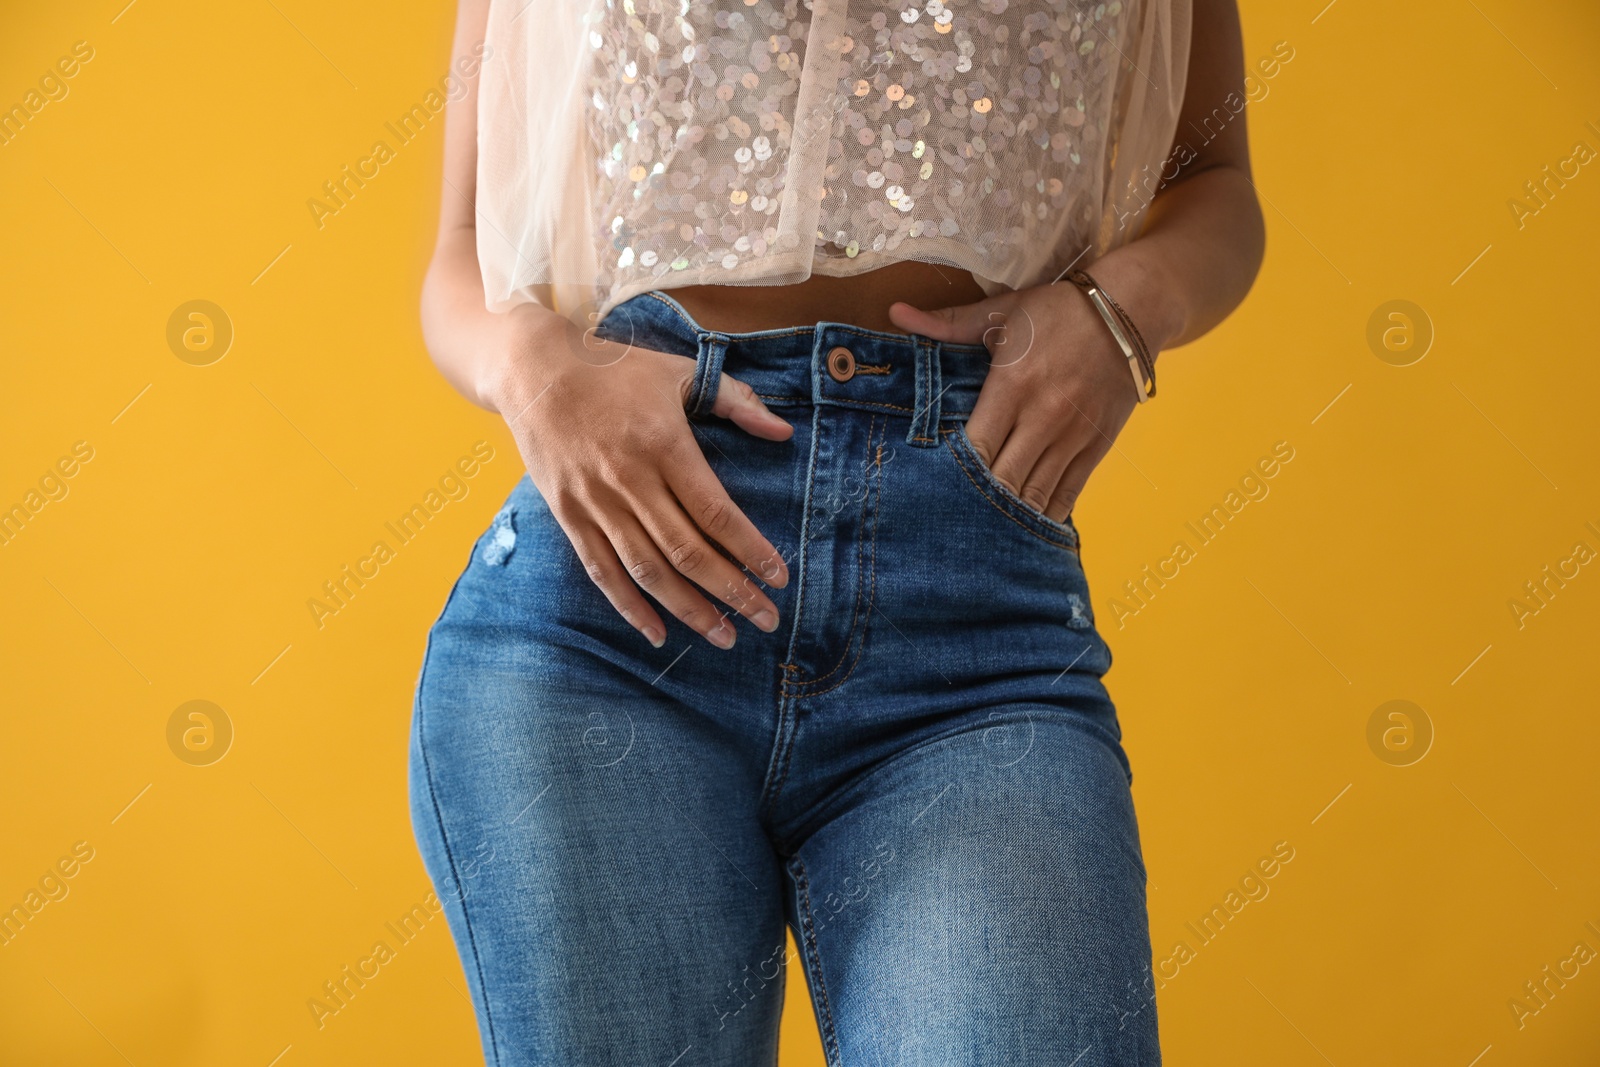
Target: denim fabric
920	772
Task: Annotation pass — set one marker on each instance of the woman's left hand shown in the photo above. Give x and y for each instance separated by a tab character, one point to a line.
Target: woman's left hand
1058	391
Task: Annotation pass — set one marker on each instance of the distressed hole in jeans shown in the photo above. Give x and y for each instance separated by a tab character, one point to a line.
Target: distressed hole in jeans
502	538
1080	619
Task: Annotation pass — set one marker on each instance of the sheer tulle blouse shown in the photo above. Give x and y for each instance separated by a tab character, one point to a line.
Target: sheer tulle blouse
626	145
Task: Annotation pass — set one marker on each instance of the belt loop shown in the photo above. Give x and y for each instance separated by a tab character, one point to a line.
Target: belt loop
707	373
925	416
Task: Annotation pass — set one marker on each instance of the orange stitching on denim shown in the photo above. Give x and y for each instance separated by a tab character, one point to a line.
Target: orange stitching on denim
873	368
1015	499
679	315
872	593
866	403
420	729
1001	505
800	558
814	957
771	797
860	551
758	336
872	333
861	646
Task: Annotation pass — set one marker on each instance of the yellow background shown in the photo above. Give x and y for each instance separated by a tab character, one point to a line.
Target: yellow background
1380	567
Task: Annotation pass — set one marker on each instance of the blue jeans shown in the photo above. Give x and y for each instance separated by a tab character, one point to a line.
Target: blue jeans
920	772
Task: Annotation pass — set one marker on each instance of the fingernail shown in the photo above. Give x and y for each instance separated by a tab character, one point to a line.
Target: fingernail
722	636
770	569
765	619
655	636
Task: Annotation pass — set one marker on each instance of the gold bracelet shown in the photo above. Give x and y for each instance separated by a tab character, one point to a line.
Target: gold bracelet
1123	330
1139	345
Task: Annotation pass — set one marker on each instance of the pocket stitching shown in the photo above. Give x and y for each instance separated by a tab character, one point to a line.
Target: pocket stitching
1003	499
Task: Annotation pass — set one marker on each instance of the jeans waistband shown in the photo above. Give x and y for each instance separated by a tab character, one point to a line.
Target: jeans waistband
898	375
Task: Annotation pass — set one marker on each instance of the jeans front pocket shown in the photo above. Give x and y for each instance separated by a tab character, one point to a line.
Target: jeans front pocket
1003	499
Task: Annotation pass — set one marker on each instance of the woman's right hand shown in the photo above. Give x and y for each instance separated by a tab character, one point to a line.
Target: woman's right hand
603	430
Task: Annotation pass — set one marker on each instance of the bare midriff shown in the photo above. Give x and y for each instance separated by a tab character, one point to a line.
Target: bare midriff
860	300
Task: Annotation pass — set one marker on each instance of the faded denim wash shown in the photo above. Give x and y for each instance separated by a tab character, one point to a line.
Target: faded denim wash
920	772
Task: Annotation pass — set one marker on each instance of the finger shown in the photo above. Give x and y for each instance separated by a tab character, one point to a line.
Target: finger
606	571
1040	484
645	564
1015	458
991	423
1073	479
1004	392
738	403
692	556
964	324
706	501
983	442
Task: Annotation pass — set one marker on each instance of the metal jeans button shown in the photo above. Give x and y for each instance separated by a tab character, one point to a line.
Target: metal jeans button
841	364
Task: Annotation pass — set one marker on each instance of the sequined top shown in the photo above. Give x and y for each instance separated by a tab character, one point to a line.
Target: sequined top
627	145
